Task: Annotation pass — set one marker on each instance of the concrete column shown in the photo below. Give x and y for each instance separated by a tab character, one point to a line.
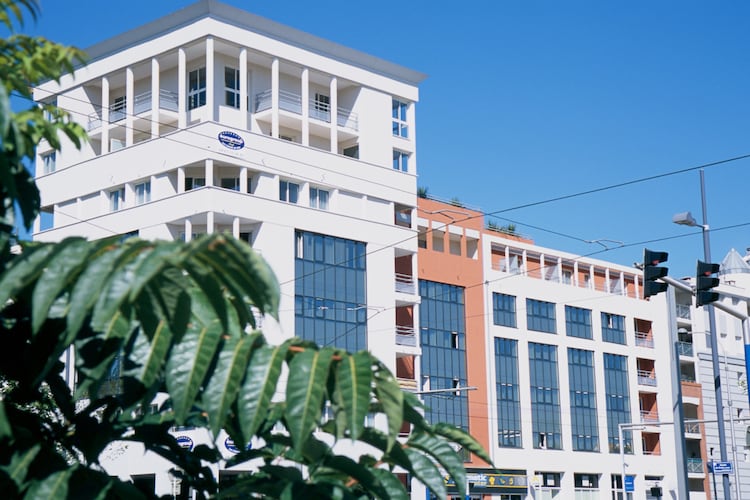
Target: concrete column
305	107
180	180
334	115
209	222
129	195
243	87
188	229
575	272
105	115
236	227
210	80
275	98
154	98
243	180
209	172
129	106
181	88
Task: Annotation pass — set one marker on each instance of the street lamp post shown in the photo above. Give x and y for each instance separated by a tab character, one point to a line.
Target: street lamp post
686	219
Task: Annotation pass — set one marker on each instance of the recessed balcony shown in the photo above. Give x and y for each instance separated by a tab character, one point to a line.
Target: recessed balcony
318	110
141	104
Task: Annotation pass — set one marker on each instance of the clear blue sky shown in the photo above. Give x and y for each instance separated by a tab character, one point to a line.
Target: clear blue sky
530	100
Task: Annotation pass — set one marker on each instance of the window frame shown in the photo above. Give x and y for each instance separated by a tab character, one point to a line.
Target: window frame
49	162
142	192
285	191
503	315
232	87
399	116
316	201
538	322
401	160
116	199
196	95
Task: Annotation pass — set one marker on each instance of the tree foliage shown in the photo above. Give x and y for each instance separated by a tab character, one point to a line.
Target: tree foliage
177	319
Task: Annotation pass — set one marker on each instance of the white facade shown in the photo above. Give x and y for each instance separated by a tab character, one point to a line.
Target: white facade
214	119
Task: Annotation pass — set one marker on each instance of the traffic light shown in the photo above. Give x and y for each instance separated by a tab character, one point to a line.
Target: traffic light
704	282
651	272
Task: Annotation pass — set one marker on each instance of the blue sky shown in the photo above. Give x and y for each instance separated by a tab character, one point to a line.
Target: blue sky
528	101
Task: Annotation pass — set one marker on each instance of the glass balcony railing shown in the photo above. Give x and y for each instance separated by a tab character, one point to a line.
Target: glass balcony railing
141	104
683	311
685	348
644	339
694	466
405	336
645	377
317	109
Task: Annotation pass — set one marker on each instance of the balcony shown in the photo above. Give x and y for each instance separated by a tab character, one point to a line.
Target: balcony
649	416
683	311
685	349
646	377
692	428
644	339
405	284
291	102
406	336
695	466
141	104
407	384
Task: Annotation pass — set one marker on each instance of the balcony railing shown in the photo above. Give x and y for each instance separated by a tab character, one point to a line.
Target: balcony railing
318	110
649	416
685	348
694	466
644	339
405	283
408	384
645	377
651	452
687	377
141	104
692	428
405	336
683	311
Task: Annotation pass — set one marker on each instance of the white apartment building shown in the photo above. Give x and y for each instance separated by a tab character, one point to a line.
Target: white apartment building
699	394
214	119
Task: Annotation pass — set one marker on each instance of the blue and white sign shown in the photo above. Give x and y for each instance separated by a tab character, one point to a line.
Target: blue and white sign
230	446
185	442
723	468
231	140
629	484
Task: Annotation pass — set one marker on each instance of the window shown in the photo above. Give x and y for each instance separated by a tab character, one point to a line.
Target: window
504	309
48	162
117	110
352	151
319	198
613	328
232	87
116	199
545	397
578	322
618	401
583	416
400	127
194	182
508	399
540	316
321	107
197	88
143	193
400	160
232	183
288	191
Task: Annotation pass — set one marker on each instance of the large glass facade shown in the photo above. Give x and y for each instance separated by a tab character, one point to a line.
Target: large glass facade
583	417
443	341
618	401
540	316
545	396
578	322
504	309
508	399
330	291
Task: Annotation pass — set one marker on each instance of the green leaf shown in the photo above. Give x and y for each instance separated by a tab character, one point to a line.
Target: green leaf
6	430
392	486
441	451
224	384
426	472
150	353
463	438
23	270
53	486
259	386
308	373
354	377
391	397
19	464
191	357
151	265
359	472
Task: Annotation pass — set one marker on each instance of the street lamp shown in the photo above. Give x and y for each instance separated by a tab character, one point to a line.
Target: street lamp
686	219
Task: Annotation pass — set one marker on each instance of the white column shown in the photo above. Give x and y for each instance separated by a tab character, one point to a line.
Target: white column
592	278
154	98
105	115
129	195
129	108
188	229
181	89
209	172
210	87
180	180
236	227
334	116
209	222
275	98
575	272
305	107
243	87
243	180
559	270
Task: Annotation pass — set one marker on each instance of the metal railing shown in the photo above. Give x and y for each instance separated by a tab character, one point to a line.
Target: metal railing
408	384
405	283
318	110
649	416
692	428
405	336
644	339
685	348
687	377
683	311
645	377
694	466
141	104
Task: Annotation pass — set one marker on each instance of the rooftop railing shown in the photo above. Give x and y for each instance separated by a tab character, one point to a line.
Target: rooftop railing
317	109
141	104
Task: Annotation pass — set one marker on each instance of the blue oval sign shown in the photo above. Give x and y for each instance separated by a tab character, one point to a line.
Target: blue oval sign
230	446
185	442
231	140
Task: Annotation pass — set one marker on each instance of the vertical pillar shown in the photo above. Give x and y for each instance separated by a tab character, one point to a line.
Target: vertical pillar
180	180
575	273
275	98
129	108
129	195
209	222
236	227
105	115
334	115
243	180
559	270
210	80
209	172
154	98
188	229
181	89
305	84
243	87
592	278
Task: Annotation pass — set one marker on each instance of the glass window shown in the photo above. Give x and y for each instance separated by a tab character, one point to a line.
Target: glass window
142	193
232	87
545	397
504	309
319	198
288	191
400	126
578	322
540	316
49	161
232	183
618	401
194	182
116	199
613	328
197	88
508	398
400	160
585	431
118	109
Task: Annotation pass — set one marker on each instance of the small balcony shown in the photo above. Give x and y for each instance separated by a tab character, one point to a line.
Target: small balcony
407	384
649	416
291	102
646	377
685	349
644	339
695	466
405	284
683	311
693	428
406	336
141	104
